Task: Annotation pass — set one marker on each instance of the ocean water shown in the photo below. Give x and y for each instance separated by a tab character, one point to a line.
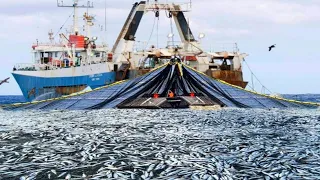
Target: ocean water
11	99
161	144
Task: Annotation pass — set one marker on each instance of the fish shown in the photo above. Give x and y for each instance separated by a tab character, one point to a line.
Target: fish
206	145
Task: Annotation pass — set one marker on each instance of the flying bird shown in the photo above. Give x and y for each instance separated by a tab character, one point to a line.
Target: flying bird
4	81
273	46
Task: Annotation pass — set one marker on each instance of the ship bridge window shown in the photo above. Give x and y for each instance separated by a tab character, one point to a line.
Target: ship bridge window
45	57
55	54
226	65
213	67
149	62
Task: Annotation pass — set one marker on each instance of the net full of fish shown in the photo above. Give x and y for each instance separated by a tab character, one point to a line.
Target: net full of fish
160	144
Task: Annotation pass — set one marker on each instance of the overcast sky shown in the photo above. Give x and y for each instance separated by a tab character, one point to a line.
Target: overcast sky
294	25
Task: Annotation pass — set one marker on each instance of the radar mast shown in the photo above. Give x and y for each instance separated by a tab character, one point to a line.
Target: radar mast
75	7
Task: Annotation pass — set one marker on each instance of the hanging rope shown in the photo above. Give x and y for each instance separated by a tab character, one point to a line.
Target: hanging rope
171	28
250	87
252	79
154	23
169	15
254	76
158	33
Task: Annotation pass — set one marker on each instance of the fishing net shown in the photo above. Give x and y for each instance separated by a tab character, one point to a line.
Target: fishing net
181	79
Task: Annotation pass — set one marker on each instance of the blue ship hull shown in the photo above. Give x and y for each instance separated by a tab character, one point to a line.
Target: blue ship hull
33	87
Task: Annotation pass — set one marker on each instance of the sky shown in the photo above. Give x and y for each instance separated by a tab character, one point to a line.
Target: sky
293	25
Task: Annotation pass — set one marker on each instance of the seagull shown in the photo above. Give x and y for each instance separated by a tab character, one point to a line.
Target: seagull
4	81
273	46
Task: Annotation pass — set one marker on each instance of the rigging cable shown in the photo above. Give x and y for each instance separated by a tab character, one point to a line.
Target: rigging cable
63	25
169	15
171	28
158	33
154	22
253	75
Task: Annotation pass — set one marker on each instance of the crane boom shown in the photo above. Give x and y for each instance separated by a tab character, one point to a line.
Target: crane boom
126	38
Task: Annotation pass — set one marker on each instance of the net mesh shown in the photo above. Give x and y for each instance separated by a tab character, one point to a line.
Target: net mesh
183	78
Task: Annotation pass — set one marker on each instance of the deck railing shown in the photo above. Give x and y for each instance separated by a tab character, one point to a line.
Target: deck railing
220	47
26	67
54	65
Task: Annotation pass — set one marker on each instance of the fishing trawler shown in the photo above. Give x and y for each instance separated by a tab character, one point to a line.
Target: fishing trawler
224	65
75	63
79	63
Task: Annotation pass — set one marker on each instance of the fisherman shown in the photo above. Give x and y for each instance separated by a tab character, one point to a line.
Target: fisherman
79	62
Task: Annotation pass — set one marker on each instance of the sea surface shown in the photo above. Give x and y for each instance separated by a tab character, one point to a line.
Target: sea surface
11	99
161	144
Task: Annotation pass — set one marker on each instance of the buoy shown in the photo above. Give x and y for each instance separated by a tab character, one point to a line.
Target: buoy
171	94
155	95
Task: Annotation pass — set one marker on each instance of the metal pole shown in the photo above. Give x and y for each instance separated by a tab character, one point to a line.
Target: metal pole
105	20
105	15
75	17
252	81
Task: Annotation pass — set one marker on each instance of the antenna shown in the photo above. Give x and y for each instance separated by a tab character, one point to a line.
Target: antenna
51	38
105	21
188	30
75	6
105	15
